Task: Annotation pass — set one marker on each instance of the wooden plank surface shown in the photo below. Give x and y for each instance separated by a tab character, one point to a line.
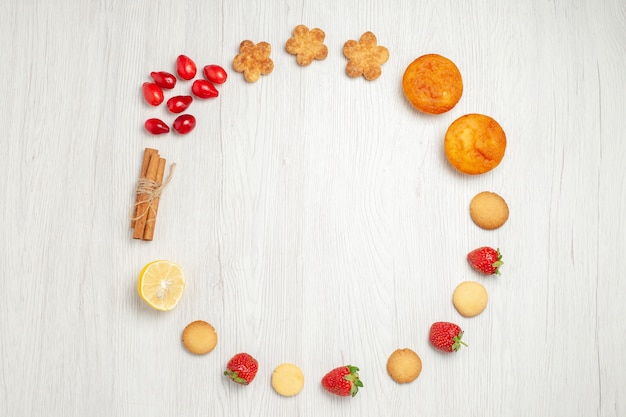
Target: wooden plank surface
316	217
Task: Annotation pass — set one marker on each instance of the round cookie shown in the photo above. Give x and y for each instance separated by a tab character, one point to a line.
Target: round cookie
488	210
432	84
470	298
199	337
404	366
287	379
474	144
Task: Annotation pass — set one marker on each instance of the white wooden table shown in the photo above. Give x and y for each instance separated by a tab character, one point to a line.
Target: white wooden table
316	217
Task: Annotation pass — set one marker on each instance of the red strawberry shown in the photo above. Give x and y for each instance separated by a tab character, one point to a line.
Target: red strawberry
446	336
242	368
486	260
342	381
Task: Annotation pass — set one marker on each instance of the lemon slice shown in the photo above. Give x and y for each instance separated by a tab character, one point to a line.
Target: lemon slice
161	284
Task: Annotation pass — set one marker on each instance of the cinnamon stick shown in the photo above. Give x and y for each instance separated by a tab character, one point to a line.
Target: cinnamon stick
148	232
144	169
142	207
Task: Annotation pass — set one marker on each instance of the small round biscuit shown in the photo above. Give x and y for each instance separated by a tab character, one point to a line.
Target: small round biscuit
470	298
488	210
199	337
404	366
474	144
287	379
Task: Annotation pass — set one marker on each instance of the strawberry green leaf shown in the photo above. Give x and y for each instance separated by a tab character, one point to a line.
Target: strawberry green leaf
458	342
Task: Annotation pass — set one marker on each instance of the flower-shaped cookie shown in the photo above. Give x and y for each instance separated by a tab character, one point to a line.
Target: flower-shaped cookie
365	57
253	60
307	45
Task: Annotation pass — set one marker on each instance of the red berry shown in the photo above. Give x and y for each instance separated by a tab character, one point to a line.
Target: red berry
446	336
184	124
204	89
215	74
185	67
242	368
179	104
343	381
152	93
156	126
163	79
486	260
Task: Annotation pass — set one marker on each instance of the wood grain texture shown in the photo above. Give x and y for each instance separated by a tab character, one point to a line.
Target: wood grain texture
315	215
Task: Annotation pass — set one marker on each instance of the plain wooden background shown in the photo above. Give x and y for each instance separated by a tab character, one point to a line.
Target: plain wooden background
316	217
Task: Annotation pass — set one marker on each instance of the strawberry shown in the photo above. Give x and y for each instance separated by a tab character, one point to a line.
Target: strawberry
342	381
486	260
446	336
242	368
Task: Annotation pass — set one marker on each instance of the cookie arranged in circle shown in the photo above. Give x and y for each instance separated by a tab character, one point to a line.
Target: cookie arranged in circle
404	366
287	379
432	84
307	45
199	337
253	60
470	298
488	210
365	57
475	144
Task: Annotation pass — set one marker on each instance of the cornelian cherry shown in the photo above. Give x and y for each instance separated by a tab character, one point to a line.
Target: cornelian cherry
179	104
163	79
215	74
156	126
152	93
185	67
184	123
204	89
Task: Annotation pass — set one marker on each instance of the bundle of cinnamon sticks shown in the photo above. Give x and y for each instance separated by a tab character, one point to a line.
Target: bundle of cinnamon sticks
143	221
